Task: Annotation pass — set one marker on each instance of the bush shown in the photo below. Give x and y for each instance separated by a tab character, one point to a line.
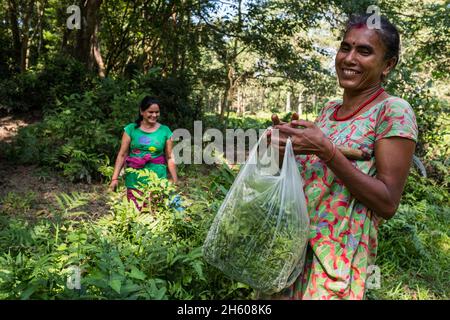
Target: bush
40	89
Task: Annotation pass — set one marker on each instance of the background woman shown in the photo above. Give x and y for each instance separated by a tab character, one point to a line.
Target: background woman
347	198
146	144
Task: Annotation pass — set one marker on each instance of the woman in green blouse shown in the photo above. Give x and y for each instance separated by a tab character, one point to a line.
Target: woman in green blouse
146	144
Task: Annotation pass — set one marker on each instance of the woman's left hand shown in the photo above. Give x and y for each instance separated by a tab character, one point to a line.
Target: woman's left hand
307	140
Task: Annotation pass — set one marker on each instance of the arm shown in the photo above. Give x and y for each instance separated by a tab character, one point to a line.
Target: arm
381	193
393	159
171	160
120	160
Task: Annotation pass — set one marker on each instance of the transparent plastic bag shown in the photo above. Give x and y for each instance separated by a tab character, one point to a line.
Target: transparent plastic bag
260	233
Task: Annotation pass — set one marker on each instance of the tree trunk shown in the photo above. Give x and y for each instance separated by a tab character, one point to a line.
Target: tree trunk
175	39
261	99
300	101
241	102
25	50
96	53
224	103
39	29
87	48
226	95
14	24
288	102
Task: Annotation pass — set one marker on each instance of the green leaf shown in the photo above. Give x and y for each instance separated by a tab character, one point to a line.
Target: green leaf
137	274
27	293
160	294
115	284
198	268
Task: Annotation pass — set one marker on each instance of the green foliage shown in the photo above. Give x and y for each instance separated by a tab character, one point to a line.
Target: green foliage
419	188
82	131
203	56
223	178
431	113
14	203
124	255
414	245
20	93
39	89
250	231
236	122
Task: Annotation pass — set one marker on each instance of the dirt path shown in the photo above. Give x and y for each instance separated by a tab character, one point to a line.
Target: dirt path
32	189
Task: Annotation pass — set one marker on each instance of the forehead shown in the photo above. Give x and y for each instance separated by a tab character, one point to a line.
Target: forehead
152	108
363	36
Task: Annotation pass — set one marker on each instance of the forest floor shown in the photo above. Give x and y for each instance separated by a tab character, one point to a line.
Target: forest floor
36	188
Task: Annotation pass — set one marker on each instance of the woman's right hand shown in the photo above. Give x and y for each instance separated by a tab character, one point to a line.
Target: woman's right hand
113	185
282	137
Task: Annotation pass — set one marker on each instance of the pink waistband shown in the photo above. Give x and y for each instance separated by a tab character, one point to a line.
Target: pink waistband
138	163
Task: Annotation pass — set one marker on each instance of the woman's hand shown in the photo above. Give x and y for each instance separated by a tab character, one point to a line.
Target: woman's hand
307	140
113	185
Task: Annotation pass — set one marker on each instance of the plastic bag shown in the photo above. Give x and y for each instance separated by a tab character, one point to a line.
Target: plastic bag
260	233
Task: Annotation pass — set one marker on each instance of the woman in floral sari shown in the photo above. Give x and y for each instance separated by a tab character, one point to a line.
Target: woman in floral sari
347	198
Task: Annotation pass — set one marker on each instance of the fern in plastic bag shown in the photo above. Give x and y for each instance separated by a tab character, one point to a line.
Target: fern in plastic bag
260	233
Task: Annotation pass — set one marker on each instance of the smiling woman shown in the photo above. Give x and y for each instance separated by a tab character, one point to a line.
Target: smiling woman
348	198
146	144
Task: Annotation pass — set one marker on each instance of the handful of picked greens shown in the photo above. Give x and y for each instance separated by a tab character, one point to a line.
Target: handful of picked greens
260	233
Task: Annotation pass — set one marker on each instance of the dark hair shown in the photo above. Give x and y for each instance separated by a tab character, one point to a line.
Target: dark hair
145	103
388	34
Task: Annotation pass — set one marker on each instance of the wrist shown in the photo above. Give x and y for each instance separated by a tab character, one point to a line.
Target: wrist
329	152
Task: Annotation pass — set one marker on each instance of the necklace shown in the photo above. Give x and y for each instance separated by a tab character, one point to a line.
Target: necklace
375	95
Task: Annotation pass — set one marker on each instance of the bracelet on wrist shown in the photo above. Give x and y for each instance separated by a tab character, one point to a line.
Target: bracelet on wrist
333	153
114	179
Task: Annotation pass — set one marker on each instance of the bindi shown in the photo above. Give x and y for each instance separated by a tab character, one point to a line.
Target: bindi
359	25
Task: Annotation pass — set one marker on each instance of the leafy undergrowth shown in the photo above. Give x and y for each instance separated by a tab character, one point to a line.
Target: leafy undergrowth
123	254
414	246
120	255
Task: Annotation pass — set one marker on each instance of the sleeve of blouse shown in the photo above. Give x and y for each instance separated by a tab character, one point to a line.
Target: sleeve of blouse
129	129
397	119
169	133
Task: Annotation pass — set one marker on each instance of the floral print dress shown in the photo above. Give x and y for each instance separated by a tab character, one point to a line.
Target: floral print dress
343	233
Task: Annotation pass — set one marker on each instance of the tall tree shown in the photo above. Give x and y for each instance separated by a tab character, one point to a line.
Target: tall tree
24	19
87	47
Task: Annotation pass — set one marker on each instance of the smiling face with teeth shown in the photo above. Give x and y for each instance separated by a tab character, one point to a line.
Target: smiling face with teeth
360	62
150	115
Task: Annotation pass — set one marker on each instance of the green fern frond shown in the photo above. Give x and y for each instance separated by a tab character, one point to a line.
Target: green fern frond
68	202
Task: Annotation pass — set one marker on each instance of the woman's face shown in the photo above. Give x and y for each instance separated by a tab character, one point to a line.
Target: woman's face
360	61
151	114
